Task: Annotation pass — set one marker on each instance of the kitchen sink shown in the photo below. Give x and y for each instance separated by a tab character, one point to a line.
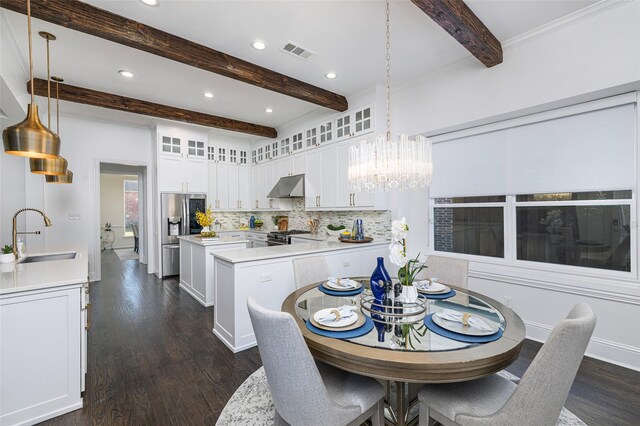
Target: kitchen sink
48	257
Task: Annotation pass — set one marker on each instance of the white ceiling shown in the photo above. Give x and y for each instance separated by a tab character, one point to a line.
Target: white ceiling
347	37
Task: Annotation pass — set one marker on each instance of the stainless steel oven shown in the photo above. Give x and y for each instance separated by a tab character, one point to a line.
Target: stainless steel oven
281	238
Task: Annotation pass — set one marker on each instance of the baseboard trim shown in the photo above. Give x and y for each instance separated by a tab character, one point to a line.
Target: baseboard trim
602	349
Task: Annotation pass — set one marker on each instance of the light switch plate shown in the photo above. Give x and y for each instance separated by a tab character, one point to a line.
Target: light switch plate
74	216
267	276
346	263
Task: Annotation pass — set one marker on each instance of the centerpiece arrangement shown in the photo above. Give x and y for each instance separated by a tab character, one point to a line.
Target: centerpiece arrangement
397	307
205	219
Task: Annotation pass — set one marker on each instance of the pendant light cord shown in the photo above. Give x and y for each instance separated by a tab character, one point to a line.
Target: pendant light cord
57	107
388	72
48	89
30	52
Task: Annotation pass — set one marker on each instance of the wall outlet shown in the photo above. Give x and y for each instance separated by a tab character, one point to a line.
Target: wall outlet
508	301
346	263
74	216
266	276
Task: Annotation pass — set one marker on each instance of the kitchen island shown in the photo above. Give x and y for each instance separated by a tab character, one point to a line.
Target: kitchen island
44	319
197	269
266	274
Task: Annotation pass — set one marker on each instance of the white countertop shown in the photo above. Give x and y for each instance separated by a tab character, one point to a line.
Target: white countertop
262	253
319	237
211	242
16	277
255	230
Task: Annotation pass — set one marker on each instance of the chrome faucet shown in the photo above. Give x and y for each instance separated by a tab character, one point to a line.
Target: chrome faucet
47	223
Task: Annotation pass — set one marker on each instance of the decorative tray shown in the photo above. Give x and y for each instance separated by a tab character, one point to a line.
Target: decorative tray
349	240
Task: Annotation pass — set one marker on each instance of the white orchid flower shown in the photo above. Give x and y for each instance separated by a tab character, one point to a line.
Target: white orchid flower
397	254
399	229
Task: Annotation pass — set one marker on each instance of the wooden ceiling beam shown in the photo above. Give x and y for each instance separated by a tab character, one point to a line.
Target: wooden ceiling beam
455	17
88	19
121	103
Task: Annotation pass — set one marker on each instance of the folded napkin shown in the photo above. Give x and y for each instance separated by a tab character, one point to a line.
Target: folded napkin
346	311
464	318
343	282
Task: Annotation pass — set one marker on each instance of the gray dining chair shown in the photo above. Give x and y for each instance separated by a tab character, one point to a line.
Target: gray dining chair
536	400
447	270
306	393
309	270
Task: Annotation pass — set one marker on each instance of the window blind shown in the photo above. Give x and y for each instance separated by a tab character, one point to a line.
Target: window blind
592	150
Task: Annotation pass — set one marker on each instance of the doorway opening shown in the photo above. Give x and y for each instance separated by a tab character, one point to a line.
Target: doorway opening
122	217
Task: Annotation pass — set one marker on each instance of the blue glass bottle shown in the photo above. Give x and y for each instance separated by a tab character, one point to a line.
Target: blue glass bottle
378	282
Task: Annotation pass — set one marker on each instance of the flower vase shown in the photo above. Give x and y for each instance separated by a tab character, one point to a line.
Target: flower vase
379	282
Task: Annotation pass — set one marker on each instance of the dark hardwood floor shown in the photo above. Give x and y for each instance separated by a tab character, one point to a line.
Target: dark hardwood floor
153	360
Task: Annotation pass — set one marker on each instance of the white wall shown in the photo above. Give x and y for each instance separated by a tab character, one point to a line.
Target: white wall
595	56
112	206
85	143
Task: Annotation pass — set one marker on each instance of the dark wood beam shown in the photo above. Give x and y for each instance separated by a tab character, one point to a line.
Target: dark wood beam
455	17
121	103
88	19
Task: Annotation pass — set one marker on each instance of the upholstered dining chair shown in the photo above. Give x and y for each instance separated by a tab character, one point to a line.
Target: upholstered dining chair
536	400
134	229
310	270
305	393
447	270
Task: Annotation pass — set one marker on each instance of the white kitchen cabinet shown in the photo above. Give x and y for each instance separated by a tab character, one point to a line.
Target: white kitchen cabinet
229	187
42	338
182	165
297	143
244	188
197	268
354	123
320	179
272	172
345	196
293	165
258	197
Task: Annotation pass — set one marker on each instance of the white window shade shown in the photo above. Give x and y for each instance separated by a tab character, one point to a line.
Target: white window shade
592	150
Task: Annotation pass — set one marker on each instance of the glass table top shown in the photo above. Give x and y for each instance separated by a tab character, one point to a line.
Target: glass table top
415	337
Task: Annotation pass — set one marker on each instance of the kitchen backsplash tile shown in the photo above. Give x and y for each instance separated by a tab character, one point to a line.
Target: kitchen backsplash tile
377	224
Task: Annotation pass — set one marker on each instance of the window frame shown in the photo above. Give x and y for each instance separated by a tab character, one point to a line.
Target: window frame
510	237
124	209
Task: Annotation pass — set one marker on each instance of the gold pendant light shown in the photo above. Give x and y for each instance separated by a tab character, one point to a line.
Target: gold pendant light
30	138
68	176
49	166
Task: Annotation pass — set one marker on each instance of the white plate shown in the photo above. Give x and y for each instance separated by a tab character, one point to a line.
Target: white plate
458	327
335	286
434	288
343	322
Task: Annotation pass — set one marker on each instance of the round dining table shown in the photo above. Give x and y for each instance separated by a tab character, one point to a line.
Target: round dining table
423	357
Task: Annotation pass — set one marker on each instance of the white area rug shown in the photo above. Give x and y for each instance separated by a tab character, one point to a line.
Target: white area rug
251	404
126	254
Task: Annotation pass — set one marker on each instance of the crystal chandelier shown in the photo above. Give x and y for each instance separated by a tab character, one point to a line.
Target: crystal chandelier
386	163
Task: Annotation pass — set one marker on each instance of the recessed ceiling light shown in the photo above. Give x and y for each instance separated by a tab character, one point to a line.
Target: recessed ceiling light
268	110
126	73
150	2
208	95
259	45
331	75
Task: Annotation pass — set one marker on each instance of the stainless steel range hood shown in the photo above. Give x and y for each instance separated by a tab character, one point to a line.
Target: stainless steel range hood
288	187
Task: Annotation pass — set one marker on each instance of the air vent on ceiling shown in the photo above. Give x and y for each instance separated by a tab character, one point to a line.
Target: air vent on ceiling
297	51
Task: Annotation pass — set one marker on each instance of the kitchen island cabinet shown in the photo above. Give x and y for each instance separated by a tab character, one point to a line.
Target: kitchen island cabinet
44	319
197	269
266	274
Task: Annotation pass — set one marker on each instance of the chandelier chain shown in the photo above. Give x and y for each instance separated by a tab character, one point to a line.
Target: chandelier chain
388	71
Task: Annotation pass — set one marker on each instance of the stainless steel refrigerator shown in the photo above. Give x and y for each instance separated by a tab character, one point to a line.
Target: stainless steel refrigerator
178	218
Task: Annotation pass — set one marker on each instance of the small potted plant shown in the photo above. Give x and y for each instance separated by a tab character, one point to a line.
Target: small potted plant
205	219
258	223
7	255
